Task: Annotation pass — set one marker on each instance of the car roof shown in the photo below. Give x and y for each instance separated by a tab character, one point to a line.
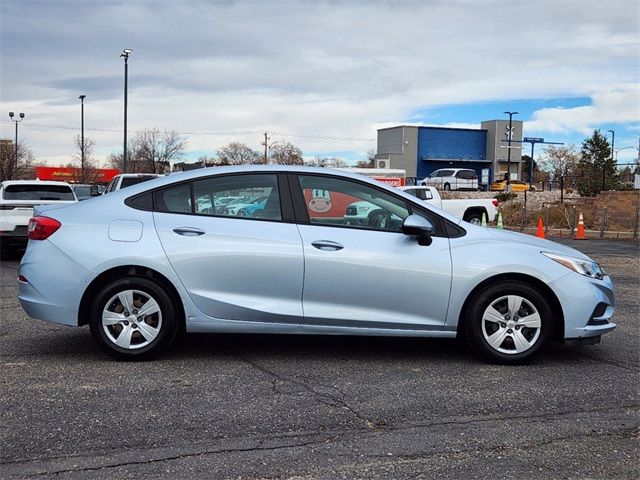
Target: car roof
129	175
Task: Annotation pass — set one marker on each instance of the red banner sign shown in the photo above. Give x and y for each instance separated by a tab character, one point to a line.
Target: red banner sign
63	174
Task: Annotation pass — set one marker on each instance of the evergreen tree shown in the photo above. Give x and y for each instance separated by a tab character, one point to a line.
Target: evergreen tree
597	166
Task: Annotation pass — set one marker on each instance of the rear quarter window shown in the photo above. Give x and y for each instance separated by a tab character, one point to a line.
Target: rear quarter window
38	192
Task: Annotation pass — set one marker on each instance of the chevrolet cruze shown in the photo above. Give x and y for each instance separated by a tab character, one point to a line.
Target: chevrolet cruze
141	264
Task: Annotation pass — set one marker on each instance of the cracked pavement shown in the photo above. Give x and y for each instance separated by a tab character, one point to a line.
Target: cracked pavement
250	406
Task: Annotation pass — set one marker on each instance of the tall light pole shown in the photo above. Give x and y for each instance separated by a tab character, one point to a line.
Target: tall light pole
125	54
14	170
604	165
511	114
82	97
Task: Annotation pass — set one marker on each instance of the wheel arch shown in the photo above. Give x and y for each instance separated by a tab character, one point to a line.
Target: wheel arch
122	271
472	210
556	307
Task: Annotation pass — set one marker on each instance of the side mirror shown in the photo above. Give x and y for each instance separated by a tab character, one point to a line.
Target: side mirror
420	227
93	191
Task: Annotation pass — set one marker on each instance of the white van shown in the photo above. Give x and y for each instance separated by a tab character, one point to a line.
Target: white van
452	179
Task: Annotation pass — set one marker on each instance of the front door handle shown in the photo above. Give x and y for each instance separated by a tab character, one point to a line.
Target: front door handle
327	245
189	231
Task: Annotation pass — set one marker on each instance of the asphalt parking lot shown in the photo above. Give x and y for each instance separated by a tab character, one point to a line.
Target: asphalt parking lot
242	406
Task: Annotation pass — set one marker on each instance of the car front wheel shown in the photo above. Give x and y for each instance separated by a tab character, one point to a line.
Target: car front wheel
509	323
133	319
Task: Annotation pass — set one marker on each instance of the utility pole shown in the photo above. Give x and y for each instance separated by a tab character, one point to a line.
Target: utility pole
613	160
511	114
266	147
82	97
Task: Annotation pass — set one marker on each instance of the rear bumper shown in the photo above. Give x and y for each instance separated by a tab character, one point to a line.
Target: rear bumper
54	284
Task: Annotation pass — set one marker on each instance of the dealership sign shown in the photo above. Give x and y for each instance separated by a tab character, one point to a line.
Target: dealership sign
71	174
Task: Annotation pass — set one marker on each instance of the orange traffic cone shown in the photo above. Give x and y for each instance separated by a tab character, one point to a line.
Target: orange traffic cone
580	234
540	232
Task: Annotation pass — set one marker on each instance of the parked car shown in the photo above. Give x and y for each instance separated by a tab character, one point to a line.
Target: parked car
143	263
470	210
128	179
84	191
516	186
453	179
17	199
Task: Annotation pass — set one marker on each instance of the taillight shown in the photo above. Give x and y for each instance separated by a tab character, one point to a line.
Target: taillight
495	202
41	228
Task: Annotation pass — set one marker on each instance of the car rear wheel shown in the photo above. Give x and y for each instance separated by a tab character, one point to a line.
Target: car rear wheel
133	319
509	323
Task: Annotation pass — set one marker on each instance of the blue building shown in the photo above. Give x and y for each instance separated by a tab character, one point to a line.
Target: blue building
420	150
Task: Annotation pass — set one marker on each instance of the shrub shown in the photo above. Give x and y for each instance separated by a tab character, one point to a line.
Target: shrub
505	196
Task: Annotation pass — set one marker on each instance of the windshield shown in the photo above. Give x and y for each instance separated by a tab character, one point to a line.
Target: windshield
38	192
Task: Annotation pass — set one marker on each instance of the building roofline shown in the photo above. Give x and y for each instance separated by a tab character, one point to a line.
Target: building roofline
438	128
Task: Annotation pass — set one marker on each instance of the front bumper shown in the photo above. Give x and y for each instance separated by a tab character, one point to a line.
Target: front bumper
588	305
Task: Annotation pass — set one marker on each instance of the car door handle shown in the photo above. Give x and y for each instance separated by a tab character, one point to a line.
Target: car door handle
327	245
189	231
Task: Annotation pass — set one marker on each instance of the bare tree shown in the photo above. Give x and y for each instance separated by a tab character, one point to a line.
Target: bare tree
560	160
236	153
370	161
330	162
286	153
26	160
89	172
156	150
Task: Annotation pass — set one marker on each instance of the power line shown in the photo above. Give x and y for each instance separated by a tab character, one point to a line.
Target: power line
245	132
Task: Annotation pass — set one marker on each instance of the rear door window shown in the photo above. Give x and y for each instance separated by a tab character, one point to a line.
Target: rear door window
38	192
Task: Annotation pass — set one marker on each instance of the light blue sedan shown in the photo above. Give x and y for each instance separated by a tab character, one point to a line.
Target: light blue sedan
143	263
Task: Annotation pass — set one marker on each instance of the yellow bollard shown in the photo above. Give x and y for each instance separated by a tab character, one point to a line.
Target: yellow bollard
484	219
500	226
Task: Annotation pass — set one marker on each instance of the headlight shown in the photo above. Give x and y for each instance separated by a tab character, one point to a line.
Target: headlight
578	265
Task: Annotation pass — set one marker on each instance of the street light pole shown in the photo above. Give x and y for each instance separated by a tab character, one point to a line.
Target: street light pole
82	97
511	114
604	165
14	169
125	54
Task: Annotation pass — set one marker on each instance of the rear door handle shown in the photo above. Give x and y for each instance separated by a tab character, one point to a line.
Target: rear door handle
327	245
189	231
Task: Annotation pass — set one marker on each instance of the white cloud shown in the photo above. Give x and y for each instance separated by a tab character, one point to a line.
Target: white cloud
619	104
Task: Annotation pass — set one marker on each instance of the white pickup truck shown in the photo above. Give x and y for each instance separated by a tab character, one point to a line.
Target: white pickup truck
17	199
470	210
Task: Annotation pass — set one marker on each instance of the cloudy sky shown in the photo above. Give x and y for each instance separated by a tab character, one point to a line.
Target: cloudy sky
323	75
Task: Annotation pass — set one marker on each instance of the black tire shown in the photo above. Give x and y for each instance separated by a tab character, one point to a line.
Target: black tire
168	325
475	218
473	322
447	186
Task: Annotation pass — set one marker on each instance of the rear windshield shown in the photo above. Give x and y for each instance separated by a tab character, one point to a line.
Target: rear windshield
38	192
128	181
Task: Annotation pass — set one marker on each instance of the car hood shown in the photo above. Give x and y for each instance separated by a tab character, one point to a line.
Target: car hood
539	243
